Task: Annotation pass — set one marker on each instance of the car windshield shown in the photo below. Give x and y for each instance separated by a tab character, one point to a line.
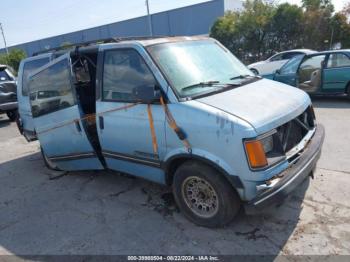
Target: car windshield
200	67
292	65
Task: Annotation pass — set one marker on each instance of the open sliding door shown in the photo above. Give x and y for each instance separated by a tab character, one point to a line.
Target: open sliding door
57	117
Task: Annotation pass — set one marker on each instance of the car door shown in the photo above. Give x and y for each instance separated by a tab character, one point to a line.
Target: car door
58	125
24	109
336	75
310	73
131	132
288	73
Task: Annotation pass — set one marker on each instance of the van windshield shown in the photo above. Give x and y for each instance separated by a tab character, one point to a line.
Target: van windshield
196	68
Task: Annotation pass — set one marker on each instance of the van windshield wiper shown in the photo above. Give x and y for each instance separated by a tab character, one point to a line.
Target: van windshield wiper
201	84
242	77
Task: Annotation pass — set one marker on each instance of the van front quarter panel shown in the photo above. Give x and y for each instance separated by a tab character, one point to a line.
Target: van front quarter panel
215	138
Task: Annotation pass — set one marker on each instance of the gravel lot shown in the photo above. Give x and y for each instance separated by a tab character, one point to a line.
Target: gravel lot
106	213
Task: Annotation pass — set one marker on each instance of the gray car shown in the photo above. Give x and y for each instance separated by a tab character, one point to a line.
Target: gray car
8	93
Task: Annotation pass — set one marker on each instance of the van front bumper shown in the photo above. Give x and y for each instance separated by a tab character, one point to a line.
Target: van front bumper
292	177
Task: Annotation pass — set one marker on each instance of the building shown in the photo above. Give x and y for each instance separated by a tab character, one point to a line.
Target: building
190	20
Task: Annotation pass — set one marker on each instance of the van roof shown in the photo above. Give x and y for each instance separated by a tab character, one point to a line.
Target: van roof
143	40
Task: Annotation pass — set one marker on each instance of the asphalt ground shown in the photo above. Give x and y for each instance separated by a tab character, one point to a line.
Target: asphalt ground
105	213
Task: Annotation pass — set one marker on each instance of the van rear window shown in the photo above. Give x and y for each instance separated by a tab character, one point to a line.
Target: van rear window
51	89
28	68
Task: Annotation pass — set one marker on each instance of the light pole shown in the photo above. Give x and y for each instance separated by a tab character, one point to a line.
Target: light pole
149	19
3	35
331	44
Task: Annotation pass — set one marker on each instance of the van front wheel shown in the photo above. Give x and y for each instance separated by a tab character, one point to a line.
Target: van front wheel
204	196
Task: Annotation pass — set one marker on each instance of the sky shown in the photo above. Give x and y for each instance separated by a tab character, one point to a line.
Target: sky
25	21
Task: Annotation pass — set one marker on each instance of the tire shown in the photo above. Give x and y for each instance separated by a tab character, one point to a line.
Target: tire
204	196
254	71
348	91
48	163
12	115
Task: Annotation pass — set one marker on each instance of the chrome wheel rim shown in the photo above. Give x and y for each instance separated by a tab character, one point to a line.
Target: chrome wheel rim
200	196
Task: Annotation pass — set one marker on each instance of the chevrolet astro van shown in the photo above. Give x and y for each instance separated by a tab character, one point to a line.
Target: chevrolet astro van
179	111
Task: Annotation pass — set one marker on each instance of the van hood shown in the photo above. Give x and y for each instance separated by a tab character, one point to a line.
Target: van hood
264	104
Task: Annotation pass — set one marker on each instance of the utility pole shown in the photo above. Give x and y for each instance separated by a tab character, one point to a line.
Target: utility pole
3	35
149	19
331	44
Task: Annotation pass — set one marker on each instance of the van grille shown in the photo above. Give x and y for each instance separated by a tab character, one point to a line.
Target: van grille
291	133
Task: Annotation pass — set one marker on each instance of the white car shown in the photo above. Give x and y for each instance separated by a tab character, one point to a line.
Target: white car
276	61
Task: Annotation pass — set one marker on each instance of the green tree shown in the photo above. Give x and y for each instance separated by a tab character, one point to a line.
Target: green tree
225	29
340	27
312	5
286	26
264	28
13	59
317	30
246	33
346	10
254	25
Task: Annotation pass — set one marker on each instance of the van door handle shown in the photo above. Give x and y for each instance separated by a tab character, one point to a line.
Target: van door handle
101	121
77	125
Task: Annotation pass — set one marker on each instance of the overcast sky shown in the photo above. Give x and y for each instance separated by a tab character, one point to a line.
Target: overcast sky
25	21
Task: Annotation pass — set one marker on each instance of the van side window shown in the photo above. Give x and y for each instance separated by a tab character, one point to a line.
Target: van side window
124	71
51	90
28	68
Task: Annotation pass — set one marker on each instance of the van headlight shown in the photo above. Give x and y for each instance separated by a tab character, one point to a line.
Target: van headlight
267	144
263	151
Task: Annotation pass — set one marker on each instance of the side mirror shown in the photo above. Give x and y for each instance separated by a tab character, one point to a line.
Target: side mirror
147	94
278	72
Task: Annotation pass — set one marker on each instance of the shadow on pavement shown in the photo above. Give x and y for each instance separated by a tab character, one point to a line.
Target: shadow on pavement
330	102
4	121
96	213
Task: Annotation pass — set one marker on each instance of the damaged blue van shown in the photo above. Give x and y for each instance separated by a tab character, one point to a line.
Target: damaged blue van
179	111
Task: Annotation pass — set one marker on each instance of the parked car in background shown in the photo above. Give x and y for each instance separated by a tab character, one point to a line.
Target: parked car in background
319	73
179	111
8	90
268	67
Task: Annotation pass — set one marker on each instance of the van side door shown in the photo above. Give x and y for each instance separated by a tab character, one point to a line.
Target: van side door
24	109
131	131
57	117
337	73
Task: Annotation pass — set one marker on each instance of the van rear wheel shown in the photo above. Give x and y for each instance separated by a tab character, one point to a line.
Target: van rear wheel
48	163
204	196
